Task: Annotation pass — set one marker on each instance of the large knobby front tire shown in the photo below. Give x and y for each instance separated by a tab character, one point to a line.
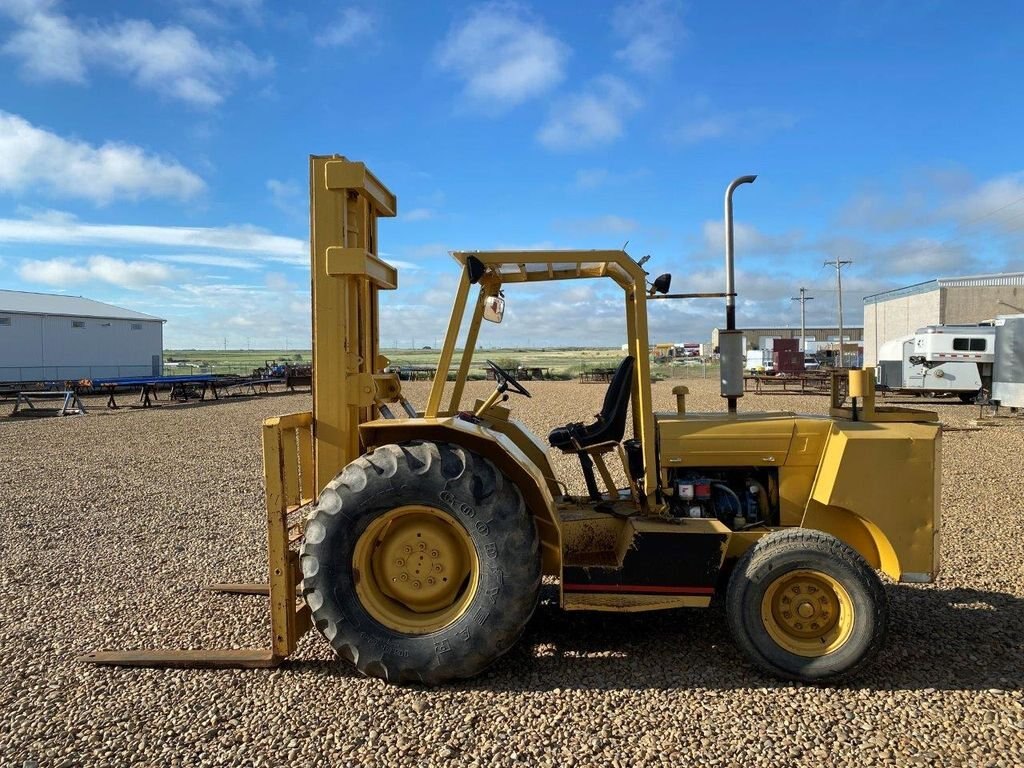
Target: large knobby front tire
421	563
803	605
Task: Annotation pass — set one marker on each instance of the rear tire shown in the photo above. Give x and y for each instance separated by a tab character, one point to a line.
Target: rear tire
803	605
472	521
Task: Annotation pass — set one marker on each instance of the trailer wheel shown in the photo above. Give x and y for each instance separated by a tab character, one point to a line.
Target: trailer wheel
803	605
421	563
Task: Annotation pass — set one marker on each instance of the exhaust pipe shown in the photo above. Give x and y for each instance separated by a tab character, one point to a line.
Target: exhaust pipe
731	348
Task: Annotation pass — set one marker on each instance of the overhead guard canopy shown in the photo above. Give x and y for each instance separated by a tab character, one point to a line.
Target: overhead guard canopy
540	266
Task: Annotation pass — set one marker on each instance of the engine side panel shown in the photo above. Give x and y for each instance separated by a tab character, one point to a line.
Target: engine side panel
888	474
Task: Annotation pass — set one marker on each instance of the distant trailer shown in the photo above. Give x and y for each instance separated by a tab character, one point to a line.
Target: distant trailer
939	360
1008	369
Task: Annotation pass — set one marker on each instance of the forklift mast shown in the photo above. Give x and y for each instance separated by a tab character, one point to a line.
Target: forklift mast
346	275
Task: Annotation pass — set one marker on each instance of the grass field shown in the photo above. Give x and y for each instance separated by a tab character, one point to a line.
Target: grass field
561	363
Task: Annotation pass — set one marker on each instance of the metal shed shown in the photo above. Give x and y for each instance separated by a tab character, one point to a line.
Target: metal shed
49	337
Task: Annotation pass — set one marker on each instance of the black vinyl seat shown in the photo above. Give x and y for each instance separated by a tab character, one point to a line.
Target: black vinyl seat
608	427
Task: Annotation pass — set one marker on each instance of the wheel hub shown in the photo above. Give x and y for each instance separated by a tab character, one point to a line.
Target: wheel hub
421	562
807	613
415	569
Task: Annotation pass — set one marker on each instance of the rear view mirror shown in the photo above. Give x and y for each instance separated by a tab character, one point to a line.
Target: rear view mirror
494	309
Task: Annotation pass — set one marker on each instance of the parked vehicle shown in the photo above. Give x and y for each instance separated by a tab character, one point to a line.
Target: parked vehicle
939	360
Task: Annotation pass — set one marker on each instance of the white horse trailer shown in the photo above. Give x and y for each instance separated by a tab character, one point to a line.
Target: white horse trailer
939	360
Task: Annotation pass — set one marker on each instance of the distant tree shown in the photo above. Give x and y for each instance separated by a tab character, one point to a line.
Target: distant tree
297	357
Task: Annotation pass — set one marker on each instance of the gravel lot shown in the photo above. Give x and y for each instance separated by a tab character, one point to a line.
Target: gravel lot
112	522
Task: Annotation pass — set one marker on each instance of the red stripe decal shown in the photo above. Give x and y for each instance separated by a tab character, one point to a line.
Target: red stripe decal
638	588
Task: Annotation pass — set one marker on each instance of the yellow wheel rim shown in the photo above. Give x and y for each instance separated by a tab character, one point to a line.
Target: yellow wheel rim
415	569
808	613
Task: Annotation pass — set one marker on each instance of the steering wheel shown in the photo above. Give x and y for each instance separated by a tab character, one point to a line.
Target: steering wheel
504	379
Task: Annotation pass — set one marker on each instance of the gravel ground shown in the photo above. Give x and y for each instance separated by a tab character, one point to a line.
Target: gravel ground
112	522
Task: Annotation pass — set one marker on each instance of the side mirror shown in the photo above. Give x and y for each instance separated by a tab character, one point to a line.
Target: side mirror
494	309
476	269
661	284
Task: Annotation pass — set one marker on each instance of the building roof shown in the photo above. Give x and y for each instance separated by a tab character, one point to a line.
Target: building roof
28	303
966	281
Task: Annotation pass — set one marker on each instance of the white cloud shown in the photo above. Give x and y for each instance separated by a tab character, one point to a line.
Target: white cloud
418	214
287	250
590	118
998	203
503	55
400	264
925	256
651	30
590	178
352	26
34	157
598	225
288	197
48	44
748	124
170	60
426	250
986	214
206	260
61	273
749	239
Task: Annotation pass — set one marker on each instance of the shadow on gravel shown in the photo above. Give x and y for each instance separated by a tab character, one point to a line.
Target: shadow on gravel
945	639
942	639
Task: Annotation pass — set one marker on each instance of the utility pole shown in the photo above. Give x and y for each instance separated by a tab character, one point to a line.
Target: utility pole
839	264
803	298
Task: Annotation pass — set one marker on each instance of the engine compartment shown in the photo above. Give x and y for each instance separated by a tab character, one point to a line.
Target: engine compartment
738	497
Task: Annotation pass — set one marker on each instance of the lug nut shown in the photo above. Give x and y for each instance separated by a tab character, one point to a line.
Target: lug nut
416	584
435	554
404	576
400	562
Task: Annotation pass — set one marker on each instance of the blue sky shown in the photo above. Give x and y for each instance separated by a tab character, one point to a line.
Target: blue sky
153	155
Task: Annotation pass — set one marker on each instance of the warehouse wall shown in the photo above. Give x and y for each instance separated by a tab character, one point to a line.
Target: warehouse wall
889	319
45	347
975	304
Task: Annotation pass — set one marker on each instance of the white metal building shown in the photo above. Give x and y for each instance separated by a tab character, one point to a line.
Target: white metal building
47	337
944	301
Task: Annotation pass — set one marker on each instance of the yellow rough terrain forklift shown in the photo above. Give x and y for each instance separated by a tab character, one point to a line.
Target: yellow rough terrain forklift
415	541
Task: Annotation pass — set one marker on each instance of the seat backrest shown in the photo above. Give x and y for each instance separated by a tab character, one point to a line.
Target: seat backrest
616	399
